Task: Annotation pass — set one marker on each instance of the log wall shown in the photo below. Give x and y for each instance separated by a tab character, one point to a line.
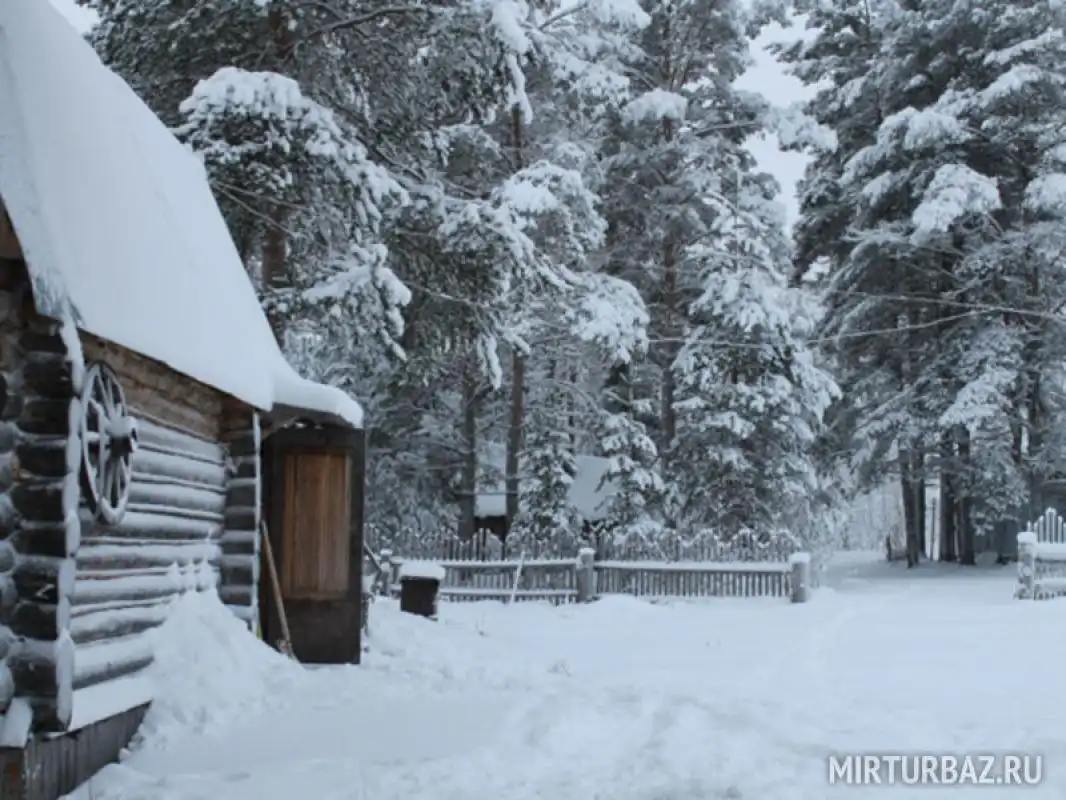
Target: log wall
78	596
180	532
38	537
239	588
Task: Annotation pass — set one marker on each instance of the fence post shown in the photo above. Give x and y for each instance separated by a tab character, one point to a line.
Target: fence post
586	575
1026	588
800	564
390	572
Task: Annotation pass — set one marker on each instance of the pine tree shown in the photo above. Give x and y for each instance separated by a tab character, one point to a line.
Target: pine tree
751	395
938	294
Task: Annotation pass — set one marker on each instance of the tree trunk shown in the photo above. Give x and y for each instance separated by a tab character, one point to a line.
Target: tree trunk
515	426
468	484
571	421
947	548
917	545
275	249
967	543
516	419
668	428
913	503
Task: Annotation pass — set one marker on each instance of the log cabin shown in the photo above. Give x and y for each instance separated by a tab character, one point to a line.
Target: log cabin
149	424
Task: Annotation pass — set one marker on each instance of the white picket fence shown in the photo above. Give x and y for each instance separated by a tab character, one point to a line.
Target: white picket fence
1042	558
581	579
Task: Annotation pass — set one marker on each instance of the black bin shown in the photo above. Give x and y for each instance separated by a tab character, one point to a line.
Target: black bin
418	595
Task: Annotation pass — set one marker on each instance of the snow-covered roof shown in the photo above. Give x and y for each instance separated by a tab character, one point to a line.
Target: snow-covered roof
585	495
115	216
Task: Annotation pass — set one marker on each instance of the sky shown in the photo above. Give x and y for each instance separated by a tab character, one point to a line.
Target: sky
80	18
765	76
768	77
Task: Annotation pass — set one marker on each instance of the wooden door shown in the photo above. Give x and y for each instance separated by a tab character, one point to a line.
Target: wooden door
315	534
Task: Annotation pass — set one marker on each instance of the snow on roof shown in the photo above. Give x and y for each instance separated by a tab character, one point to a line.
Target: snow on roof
585	494
116	217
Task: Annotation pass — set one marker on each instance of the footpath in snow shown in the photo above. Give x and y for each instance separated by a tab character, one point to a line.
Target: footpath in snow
621	699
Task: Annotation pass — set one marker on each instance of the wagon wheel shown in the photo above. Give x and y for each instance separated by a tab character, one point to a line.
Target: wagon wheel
108	441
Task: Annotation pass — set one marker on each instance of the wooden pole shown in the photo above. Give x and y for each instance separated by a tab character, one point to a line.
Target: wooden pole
517	577
285	642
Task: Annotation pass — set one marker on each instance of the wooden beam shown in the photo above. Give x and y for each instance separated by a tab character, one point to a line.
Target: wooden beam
9	243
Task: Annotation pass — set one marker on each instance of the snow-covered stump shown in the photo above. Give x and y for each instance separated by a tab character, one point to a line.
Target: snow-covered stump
800	564
419	587
1026	586
586	575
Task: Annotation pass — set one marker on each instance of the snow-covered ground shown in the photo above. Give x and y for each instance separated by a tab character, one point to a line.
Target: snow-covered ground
621	699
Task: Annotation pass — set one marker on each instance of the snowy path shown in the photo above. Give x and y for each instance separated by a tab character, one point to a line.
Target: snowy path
625	700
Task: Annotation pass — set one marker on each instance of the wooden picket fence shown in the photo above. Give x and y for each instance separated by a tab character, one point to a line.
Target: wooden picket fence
1042	558
441	544
582	579
695	579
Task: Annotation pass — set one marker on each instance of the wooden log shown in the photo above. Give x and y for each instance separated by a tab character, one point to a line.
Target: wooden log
242	539
192	496
44	458
96	623
238	595
45	501
8	595
139	555
9	518
36	340
157	393
14	400
146	584
10	249
8	640
167	464
239	542
176	512
111	659
44	580
239	570
166	439
8	556
49	417
39	620
244	445
8	467
240	516
9	436
51	539
152	526
44	674
244	469
14	282
7	687
242	494
48	375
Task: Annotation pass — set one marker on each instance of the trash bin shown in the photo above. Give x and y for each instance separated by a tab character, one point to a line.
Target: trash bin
419	586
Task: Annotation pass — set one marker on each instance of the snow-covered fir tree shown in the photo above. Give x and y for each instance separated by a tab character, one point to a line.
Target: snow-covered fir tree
505	227
689	221
751	395
943	296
